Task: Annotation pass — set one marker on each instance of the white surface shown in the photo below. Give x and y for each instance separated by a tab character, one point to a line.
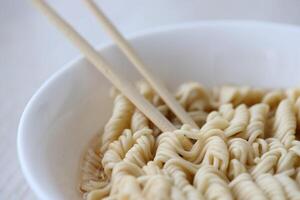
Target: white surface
31	50
74	104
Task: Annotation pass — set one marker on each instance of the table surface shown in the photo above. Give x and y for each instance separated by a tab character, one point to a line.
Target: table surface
31	50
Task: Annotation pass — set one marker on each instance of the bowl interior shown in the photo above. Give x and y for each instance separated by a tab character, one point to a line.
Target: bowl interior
73	105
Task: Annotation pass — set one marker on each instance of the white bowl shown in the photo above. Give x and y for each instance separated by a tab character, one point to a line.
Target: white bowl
73	105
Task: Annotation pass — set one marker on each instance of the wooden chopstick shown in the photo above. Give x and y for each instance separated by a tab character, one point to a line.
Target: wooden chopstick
139	64
100	63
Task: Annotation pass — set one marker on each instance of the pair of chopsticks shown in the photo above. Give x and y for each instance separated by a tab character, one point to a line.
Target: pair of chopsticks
118	81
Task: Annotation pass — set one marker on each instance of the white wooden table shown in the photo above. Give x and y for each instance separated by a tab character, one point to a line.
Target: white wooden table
31	50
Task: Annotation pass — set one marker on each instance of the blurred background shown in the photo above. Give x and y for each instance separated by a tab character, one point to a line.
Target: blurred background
31	50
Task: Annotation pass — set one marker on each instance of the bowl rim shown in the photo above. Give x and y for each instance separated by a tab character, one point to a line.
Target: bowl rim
131	37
